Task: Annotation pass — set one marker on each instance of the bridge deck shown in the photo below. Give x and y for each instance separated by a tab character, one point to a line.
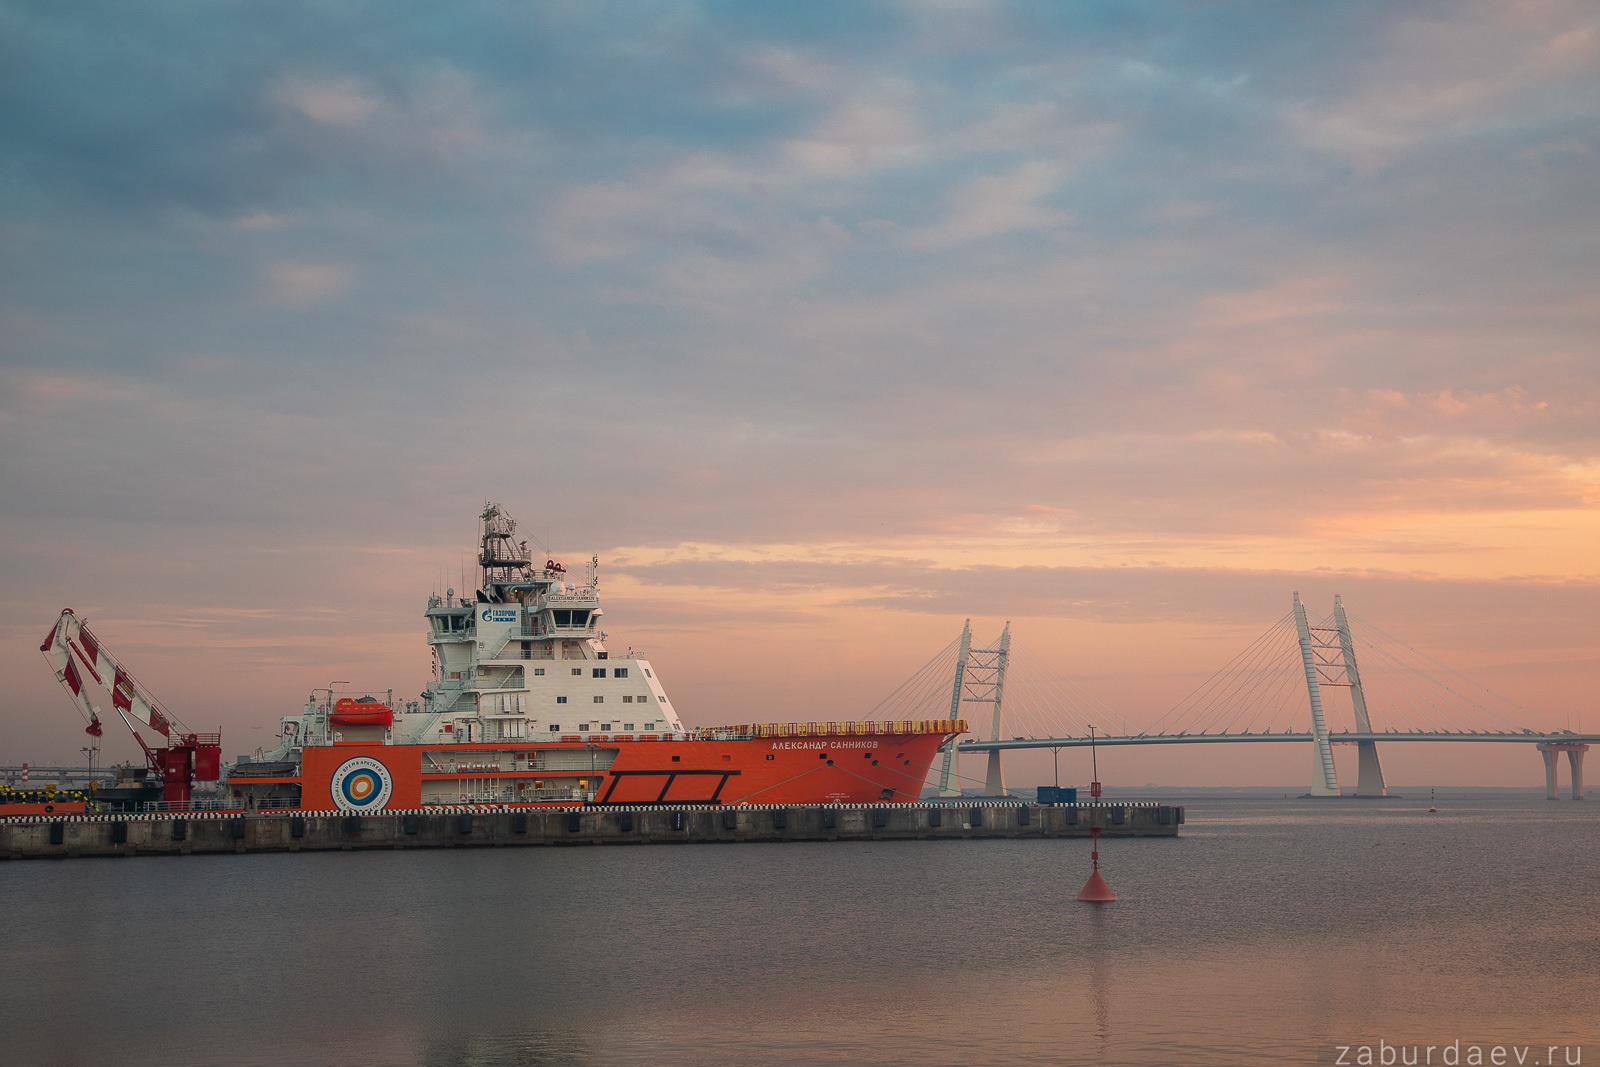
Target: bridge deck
1336	738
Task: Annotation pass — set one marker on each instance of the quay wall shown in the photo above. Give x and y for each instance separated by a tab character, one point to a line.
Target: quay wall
44	837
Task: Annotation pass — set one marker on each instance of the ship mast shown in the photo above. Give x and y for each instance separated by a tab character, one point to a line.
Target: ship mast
504	562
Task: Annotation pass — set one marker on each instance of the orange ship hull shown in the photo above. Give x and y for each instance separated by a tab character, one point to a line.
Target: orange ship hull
62	807
882	763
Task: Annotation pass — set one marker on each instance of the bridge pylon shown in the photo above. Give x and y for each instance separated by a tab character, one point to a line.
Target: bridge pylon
980	679
1324	780
1369	783
994	782
949	784
1329	656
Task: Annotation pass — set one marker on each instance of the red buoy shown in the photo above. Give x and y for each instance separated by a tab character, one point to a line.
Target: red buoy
1095	889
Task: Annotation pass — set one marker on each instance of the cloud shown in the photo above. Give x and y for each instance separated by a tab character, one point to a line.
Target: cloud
298	286
342	102
994	205
883	311
1434	78
1144	594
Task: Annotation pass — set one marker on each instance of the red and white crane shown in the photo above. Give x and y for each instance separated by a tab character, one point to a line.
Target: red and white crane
184	758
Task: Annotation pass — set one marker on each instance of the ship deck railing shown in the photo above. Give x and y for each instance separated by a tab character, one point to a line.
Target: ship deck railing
540	654
747	732
157	806
528	796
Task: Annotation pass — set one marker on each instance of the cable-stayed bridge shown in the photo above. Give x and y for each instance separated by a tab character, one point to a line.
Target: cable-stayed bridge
1281	689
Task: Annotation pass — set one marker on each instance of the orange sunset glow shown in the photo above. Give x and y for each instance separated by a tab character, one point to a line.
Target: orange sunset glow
822	351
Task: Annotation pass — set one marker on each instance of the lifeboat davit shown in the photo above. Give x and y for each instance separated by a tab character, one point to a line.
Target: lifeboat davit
349	712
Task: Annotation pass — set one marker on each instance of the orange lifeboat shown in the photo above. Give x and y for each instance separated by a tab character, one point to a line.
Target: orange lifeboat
349	712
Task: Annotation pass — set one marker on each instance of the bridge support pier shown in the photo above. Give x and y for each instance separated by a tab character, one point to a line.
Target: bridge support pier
994	782
1551	751
1369	781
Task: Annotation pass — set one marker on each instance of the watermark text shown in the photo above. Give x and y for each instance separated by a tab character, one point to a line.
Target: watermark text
1457	1054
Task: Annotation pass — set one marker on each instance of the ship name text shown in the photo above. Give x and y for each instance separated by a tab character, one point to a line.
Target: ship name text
824	744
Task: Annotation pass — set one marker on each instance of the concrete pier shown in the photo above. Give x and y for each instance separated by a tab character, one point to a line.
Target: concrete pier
1551	751
43	837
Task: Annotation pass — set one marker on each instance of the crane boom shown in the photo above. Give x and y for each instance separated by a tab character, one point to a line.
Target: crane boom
70	636
58	651
185	756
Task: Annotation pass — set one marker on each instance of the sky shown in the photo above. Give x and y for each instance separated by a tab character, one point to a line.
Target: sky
826	327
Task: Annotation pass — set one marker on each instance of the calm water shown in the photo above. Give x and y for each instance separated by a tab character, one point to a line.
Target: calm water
1270	933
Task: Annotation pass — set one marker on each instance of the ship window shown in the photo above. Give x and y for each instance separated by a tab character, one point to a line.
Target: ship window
606	727
627	700
561	700
577	670
599	672
580	617
675	759
771	756
583	726
538	670
599	700
563	618
620	672
627	726
555	728
647	672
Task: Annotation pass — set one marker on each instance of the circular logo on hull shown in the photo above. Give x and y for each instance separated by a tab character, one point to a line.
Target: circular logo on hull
361	784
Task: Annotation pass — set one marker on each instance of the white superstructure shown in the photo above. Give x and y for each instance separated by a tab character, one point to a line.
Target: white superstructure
523	659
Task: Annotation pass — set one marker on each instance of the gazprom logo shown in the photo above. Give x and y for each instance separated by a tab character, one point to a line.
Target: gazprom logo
361	784
498	615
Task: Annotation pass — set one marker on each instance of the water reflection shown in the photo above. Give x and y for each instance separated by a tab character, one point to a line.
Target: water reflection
531	1047
1267	933
1099	986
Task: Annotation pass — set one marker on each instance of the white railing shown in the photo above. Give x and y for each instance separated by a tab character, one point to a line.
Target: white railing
524	796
